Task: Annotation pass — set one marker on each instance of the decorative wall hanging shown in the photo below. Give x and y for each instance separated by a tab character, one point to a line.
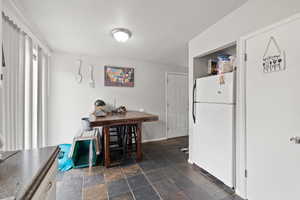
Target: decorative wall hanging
119	76
3	58
92	80
3	65
274	61
79	75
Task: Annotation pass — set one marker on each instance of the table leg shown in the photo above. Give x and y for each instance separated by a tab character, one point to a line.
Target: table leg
106	147
91	154
139	142
129	139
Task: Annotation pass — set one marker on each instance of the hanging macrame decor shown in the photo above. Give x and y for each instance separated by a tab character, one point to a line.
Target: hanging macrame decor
3	58
3	65
273	60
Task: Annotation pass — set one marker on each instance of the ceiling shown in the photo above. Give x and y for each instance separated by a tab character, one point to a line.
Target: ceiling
161	28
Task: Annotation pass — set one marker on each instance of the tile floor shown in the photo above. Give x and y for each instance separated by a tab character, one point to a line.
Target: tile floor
163	174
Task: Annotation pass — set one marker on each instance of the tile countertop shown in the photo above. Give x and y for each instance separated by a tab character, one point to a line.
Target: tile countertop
20	174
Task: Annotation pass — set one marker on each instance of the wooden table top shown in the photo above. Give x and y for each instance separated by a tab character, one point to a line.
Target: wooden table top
130	117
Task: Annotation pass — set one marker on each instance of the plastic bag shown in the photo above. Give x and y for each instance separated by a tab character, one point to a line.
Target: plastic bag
64	162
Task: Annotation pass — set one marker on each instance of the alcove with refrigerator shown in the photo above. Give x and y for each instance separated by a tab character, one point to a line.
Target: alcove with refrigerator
214	102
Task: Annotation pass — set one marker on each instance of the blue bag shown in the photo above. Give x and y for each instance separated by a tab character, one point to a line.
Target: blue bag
64	162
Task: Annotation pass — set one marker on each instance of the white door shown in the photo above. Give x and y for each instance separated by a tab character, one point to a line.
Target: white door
273	113
177	105
213	140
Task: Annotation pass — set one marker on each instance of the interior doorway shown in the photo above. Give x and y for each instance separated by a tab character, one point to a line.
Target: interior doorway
176	104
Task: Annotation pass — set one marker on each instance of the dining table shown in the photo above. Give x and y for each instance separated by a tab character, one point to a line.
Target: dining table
127	118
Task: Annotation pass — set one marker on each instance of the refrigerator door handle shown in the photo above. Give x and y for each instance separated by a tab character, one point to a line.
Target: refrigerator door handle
193	107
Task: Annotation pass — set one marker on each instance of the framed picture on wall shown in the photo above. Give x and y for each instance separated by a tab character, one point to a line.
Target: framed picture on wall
118	76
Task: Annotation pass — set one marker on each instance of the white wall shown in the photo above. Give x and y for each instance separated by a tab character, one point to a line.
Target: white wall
69	101
253	15
1	95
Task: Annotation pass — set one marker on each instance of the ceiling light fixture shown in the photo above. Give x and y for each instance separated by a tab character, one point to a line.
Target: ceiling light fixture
121	34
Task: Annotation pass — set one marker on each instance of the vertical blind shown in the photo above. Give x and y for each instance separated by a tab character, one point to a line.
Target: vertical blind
23	91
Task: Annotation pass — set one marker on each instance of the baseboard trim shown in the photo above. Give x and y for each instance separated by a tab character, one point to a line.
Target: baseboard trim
190	161
212	178
154	140
238	193
182	136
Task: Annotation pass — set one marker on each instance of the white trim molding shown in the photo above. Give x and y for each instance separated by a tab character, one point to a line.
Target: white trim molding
190	161
154	140
166	98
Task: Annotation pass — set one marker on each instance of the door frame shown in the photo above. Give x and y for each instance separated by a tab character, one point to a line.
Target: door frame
166	97
242	70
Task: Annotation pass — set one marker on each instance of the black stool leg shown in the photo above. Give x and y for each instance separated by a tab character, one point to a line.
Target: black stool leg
134	135
125	142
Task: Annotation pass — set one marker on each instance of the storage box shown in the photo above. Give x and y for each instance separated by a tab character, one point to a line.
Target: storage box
81	152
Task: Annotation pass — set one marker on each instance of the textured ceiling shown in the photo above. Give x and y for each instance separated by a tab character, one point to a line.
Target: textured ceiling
161	28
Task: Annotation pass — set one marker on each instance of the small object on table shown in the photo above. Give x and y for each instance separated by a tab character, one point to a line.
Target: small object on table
99	104
101	109
99	113
120	110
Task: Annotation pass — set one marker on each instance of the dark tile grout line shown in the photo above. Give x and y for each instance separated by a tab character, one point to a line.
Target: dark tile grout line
82	195
154	188
131	191
150	183
106	184
155	170
177	172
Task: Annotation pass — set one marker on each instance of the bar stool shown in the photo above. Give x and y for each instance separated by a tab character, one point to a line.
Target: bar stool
118	140
132	139
123	140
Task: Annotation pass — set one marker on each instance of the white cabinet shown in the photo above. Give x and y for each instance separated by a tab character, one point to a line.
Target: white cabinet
47	189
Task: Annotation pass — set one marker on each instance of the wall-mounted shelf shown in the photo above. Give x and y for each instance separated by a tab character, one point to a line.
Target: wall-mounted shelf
201	62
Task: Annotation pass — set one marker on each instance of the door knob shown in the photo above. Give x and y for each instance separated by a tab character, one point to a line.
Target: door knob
295	139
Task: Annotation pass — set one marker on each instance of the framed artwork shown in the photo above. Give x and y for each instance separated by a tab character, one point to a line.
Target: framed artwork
118	76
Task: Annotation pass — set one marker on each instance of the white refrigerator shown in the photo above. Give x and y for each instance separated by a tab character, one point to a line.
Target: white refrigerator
214	121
